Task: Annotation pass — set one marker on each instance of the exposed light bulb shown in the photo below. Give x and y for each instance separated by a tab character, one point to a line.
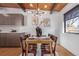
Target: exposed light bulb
31	5
38	9
45	6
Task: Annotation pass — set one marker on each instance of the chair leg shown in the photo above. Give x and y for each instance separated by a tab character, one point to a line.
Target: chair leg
54	54
34	54
22	54
41	54
25	53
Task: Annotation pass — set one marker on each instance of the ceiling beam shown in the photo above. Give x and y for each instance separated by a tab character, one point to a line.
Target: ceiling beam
59	6
53	6
22	6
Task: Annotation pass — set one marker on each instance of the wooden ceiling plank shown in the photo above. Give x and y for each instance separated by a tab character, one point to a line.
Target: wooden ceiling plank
27	6
21	6
59	6
42	6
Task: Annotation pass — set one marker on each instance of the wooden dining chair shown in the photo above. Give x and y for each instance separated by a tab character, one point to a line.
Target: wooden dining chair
23	46
54	38
45	47
32	47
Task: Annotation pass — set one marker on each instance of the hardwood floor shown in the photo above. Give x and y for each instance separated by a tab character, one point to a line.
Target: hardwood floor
62	51
10	51
16	51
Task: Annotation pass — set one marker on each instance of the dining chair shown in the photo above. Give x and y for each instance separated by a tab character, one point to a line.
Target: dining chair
45	47
23	46
54	38
32	47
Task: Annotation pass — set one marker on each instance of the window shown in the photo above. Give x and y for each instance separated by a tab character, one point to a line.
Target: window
71	20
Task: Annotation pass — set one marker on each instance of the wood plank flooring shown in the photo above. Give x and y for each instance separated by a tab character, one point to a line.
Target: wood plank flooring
10	51
62	51
17	51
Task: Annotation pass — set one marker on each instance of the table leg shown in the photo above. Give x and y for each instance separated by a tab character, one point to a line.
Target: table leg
51	49
27	50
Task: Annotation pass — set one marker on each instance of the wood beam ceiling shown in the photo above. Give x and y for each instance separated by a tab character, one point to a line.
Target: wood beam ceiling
34	6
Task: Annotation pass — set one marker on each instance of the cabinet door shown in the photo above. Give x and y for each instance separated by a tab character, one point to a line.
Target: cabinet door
11	20
8	40
0	41
3	39
13	40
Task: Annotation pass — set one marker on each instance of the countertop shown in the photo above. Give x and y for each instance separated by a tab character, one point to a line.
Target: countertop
10	32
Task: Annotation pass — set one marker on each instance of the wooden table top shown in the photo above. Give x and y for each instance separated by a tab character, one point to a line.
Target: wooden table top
38	40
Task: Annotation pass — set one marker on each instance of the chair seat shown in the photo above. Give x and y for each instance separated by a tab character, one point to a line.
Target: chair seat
32	48
32	45
45	47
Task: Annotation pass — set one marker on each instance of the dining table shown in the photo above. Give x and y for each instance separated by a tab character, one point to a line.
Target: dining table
39	40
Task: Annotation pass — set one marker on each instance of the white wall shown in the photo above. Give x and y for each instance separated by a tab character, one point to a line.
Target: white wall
30	28
68	40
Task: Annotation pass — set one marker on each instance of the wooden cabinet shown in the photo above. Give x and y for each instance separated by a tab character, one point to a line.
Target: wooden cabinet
3	40
13	39
12	19
7	20
9	40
